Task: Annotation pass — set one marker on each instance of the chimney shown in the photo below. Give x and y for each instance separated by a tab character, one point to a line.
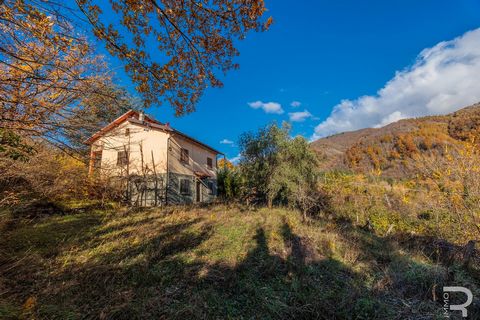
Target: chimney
141	116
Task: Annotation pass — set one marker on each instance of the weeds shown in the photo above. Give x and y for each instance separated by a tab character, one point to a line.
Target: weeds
212	262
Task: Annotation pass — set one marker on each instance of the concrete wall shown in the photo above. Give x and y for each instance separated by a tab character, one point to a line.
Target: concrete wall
197	158
146	149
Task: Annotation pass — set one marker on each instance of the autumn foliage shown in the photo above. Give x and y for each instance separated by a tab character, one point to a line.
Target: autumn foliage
195	40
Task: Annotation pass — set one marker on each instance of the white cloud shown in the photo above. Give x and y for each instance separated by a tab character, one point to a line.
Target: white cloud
443	79
299	116
295	104
268	107
235	159
226	141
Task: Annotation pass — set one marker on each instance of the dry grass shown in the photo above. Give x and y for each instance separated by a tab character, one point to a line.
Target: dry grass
215	262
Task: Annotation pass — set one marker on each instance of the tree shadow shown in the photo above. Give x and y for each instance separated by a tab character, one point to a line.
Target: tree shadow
301	285
160	276
415	268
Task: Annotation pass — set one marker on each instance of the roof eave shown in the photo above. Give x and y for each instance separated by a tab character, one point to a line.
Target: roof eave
196	141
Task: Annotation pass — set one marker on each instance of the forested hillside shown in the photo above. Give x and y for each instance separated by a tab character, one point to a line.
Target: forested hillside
396	149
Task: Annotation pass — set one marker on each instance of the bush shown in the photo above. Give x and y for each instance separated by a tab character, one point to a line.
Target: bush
229	183
48	176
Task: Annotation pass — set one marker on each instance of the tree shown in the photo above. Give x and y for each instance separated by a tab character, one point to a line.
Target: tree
276	167
195	40
454	177
297	174
50	78
225	164
49	70
260	157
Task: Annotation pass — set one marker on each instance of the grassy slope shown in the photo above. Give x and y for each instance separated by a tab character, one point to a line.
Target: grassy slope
213	262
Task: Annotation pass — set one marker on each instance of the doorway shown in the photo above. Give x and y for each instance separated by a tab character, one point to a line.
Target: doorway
198	189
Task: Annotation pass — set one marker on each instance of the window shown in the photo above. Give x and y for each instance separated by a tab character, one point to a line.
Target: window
96	160
209	163
210	187
185	186
122	158
184	155
127	132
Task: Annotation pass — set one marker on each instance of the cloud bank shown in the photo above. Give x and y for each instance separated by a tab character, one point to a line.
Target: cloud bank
443	79
268	107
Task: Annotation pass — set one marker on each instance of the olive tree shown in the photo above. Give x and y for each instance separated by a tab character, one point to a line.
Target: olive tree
278	168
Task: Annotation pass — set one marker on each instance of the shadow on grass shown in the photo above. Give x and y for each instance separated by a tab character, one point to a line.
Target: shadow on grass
415	269
160	277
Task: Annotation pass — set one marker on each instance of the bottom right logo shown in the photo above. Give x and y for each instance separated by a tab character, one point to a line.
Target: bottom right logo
456	307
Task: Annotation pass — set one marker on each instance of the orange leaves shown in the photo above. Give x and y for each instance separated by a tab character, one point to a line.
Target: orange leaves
47	70
405	145
198	34
268	23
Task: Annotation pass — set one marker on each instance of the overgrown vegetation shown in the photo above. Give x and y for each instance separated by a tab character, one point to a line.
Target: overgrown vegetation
48	175
375	238
416	176
215	262
289	240
274	169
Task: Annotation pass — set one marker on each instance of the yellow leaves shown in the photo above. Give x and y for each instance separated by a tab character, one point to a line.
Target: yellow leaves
23	67
437	174
411	184
448	157
456	200
377	172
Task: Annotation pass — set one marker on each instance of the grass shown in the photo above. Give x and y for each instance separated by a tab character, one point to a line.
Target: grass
218	262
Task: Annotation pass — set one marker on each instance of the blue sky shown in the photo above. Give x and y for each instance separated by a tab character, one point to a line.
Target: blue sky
320	53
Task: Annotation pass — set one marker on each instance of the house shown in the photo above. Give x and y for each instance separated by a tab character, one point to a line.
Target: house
154	163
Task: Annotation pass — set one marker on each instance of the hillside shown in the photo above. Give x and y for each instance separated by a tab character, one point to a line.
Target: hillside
393	149
216	262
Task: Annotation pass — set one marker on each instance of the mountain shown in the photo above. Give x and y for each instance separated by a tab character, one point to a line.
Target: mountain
392	150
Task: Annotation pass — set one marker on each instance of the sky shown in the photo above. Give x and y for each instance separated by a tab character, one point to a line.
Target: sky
338	65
